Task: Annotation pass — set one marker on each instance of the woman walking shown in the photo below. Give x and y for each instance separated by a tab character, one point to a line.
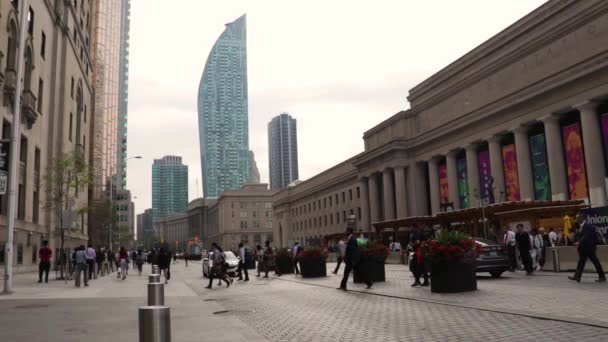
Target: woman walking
218	259
124	258
139	260
164	262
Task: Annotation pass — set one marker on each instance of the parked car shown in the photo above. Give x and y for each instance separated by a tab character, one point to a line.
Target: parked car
231	259
494	258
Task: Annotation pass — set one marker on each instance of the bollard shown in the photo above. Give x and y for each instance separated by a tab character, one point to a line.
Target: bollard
156	294
555	254
154	324
155	269
154	278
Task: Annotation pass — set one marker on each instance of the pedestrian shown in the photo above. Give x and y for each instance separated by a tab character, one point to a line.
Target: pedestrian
259	256
186	255
105	267
242	263
123	257
397	247
80	260
341	251
175	258
587	249
418	266
269	260
91	256
217	260
352	256
545	238
99	261
524	246
111	260
164	262
139	260
45	254
509	242
296	257
537	250
552	237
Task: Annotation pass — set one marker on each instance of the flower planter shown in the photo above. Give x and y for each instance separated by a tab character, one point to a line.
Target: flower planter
453	276
375	269
284	264
312	268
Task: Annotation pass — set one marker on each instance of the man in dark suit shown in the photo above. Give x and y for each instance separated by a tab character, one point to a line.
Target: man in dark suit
587	247
351	259
524	245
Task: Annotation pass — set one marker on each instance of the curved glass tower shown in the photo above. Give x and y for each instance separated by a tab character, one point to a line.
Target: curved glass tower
222	112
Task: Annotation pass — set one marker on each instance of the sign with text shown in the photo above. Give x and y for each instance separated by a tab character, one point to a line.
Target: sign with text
599	218
4	161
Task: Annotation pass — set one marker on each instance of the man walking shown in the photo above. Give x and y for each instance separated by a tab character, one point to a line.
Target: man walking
341	251
242	263
418	266
45	254
587	248
91	257
509	242
524	245
351	259
80	258
217	259
296	251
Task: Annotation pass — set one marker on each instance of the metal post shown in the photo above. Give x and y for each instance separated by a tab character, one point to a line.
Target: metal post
555	254
154	324
154	278
14	157
156	294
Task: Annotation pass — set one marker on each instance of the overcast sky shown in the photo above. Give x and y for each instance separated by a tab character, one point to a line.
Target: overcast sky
339	67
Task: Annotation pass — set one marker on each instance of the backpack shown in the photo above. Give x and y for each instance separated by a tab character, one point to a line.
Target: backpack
140	259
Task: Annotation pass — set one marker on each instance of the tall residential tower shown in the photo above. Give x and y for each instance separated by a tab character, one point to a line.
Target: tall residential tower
283	151
222	113
169	187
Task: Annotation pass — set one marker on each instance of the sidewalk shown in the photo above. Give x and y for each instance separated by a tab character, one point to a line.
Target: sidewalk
107	310
544	295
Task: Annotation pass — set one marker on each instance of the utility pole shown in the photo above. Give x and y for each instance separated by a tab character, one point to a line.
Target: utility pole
14	157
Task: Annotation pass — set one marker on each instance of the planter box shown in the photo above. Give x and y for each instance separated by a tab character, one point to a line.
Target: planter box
313	268
374	268
284	265
452	277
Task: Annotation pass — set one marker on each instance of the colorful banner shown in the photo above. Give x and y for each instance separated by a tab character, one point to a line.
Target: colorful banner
463	185
540	169
509	159
443	182
605	133
485	177
575	161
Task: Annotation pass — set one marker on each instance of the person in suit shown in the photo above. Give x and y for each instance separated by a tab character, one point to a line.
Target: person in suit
296	251
524	246
587	248
351	259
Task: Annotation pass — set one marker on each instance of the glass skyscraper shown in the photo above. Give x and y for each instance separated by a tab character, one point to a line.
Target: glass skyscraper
169	187
222	112
283	151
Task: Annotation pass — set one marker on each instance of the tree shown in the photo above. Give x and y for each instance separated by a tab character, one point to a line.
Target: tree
65	179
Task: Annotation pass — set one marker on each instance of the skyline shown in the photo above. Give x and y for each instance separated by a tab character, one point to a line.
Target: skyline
350	84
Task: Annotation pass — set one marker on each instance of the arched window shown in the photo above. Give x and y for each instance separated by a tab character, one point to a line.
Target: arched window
79	110
27	77
11	52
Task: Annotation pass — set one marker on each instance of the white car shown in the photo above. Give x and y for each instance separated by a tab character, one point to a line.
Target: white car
231	260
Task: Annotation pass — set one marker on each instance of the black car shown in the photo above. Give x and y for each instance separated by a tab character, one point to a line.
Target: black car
493	259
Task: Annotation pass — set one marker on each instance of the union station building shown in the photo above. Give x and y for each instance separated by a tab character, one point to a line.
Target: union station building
522	117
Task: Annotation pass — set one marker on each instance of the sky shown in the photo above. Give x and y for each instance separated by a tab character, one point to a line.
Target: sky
339	67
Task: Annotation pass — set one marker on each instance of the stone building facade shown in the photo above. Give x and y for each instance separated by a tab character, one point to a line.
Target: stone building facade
520	117
243	215
179	228
55	115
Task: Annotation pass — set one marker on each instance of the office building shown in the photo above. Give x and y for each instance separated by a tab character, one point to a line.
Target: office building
222	112
282	151
169	187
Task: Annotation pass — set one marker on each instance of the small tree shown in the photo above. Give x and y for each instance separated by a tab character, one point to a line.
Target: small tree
65	178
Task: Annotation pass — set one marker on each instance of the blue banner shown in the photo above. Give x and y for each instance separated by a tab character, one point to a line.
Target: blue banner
599	218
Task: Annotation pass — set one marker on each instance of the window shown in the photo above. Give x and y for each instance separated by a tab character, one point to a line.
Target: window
331	219
359	213
85	115
343	197
314	205
358	192
40	95
337	218
324	203
337	199
243	214
36	199
2	244
20	254
344	215
351	212
34	254
43	45
22	177
70	131
319	204
330	199
72	88
350	194
30	21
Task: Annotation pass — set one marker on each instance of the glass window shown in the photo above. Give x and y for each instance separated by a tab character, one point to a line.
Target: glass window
20	254
34	254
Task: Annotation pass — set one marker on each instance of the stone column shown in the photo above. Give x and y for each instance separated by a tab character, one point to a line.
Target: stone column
388	193
555	156
400	199
416	185
374	203
524	164
473	175
498	172
594	156
434	186
452	179
365	224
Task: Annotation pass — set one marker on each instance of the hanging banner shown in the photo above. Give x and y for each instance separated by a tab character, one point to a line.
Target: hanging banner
4	153
443	182
540	169
463	185
598	217
605	134
575	161
485	177
509	159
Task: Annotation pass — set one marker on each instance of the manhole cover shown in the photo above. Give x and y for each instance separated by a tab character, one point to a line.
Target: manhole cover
31	306
221	312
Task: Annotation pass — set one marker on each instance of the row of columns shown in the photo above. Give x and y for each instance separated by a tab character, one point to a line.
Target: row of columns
405	195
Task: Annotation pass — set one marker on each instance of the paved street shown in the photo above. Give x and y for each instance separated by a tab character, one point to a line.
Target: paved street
294	309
